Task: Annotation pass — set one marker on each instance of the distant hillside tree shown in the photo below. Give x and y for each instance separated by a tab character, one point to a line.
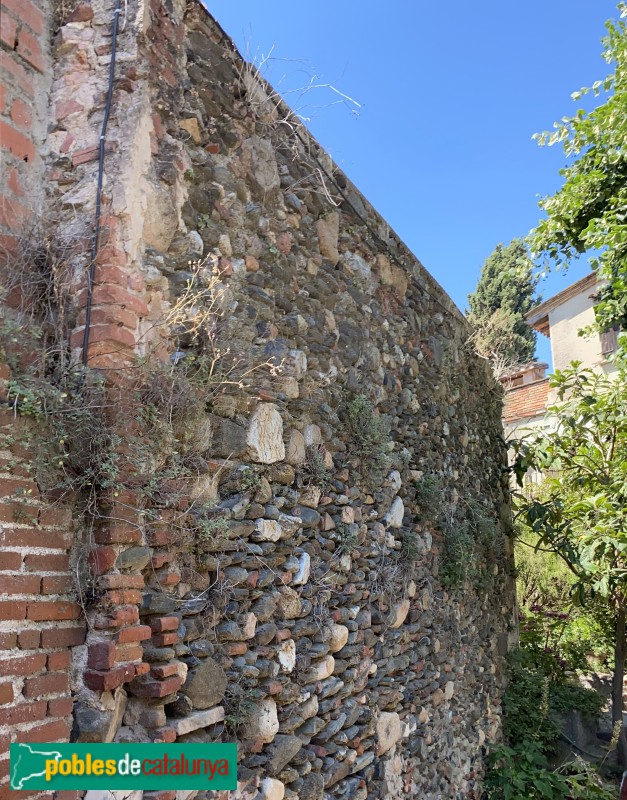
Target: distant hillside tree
504	294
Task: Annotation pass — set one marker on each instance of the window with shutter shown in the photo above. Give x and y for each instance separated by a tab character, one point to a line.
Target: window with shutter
609	341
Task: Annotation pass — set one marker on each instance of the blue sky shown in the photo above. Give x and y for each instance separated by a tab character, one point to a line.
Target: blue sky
449	94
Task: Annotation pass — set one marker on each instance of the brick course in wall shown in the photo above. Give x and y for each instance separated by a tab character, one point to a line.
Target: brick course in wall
25	74
40	620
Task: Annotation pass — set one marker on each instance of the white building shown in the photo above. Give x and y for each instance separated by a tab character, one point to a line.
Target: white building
527	392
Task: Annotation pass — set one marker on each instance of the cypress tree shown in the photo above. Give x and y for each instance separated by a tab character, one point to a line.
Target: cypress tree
504	294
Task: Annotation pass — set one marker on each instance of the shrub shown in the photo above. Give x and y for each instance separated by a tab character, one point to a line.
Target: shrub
369	435
473	546
522	773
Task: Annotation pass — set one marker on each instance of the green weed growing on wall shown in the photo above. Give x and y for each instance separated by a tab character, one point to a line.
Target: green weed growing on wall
369	434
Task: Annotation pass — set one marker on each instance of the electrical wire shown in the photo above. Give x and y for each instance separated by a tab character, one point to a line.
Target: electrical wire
101	155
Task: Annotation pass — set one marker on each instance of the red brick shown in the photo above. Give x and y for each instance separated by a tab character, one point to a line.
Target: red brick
51	683
118	533
105	333
166	735
11	561
129	652
125	615
59	730
24	665
12	609
27	12
24	712
53	610
8	30
164	670
135	634
28	639
33	537
161	624
60	707
9	640
166	578
15	216
159	559
3	98
142	669
121	597
19	584
106	316
29	48
47	563
121	581
56	584
62	637
154	688
6	693
101	559
21	113
14	182
9	65
160	538
55	517
59	660
110	294
87	154
109	260
101	655
16	143
105	681
66	107
82	13
13	486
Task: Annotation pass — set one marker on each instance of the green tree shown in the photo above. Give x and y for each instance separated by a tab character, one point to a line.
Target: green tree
503	296
589	212
583	514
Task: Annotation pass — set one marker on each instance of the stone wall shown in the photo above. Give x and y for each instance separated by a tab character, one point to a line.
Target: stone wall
315	561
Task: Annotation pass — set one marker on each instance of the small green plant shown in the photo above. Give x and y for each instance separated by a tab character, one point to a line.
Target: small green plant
370	439
428	495
348	539
410	551
249	479
211	528
522	773
314	471
473	546
239	704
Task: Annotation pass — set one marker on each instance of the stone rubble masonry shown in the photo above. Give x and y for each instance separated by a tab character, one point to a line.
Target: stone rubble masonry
338	677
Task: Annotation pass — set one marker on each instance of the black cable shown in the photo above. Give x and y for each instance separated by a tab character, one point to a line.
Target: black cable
101	155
